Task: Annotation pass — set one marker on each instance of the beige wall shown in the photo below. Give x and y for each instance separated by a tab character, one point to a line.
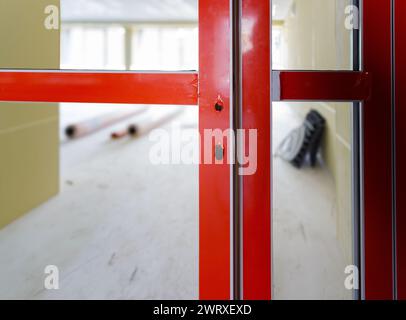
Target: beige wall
29	145
315	38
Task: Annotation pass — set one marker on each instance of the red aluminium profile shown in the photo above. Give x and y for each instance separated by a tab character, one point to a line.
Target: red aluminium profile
376	94
99	87
214	78
400	120
377	151
214	179
321	85
377	146
256	114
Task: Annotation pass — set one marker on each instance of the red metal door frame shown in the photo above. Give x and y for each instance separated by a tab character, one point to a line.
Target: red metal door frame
256	114
400	146
377	121
99	87
214	85
377	268
215	260
377	244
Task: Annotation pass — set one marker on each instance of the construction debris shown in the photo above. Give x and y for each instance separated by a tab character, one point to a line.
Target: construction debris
86	127
142	128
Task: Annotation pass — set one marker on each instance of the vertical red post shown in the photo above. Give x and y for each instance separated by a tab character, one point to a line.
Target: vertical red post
400	114
377	150
214	191
256	114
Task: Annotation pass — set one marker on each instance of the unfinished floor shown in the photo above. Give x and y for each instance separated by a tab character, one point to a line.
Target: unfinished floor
123	228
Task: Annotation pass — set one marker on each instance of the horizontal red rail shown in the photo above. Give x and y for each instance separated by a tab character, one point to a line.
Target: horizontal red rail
320	85
99	87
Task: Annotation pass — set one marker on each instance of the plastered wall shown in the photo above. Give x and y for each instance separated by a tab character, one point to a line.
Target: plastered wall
315	38
29	145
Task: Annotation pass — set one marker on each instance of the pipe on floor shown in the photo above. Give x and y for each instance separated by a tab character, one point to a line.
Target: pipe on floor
138	129
90	126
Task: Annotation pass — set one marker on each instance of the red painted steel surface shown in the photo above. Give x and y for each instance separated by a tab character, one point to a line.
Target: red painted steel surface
214	191
400	112
214	78
321	85
256	114
377	134
377	151
100	87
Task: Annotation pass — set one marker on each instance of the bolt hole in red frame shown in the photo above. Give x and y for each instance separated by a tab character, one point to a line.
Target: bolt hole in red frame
214	79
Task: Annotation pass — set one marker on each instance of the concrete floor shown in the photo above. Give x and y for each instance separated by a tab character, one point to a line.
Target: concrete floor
122	228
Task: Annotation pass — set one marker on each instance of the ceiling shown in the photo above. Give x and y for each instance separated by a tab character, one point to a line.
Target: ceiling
144	10
129	10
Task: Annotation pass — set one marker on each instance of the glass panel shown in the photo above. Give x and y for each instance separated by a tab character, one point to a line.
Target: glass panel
165	48
92	47
98	224
101	35
313	34
129	35
313	222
